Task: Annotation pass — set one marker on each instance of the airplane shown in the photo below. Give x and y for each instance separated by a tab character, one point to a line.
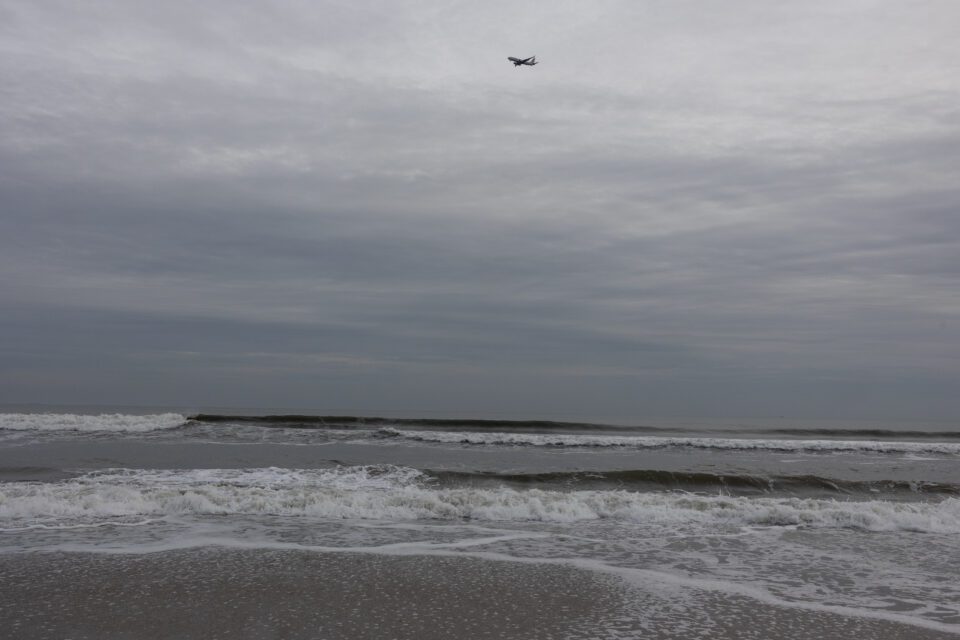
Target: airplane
532	60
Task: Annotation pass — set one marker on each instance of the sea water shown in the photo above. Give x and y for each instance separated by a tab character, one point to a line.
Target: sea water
857	520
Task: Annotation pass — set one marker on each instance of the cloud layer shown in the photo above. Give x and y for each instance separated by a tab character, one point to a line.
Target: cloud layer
684	210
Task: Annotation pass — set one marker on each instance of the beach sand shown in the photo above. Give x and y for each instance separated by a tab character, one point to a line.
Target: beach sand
276	594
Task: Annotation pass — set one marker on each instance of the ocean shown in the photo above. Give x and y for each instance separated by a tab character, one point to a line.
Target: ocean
163	524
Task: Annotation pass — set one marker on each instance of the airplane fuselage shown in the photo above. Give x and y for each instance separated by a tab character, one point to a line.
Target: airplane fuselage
531	61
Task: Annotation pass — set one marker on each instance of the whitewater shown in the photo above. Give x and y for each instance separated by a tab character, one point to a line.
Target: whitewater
843	523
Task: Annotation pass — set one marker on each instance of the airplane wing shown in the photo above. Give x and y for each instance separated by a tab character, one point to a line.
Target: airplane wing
532	60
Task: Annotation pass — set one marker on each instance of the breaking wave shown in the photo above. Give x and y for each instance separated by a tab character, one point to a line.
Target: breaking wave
78	422
297	421
400	493
552	426
733	484
868	433
659	442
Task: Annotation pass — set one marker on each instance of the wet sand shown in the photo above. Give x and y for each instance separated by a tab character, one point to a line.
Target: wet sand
268	594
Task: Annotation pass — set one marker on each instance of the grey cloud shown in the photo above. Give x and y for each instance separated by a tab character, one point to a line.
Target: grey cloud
729	214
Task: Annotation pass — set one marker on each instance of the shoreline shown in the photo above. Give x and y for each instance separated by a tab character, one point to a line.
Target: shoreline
211	592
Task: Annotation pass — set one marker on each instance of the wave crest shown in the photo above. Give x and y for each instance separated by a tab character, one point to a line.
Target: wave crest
80	422
400	493
660	442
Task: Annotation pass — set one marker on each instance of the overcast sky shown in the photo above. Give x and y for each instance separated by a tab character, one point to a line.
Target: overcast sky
689	208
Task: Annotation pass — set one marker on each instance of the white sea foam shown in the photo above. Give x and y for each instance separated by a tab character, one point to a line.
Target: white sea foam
399	493
79	422
371	476
658	442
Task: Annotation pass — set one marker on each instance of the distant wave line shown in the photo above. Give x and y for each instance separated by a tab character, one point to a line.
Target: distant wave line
324	421
663	442
321	421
